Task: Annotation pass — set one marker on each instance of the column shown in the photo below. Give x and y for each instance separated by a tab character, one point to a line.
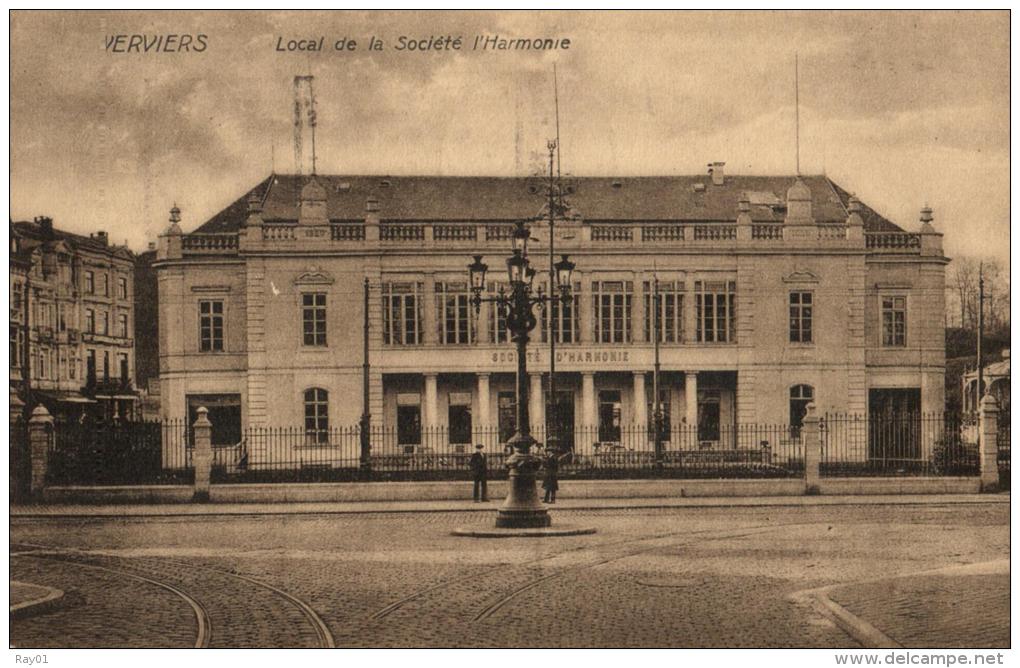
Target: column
202	456
637	322
536	407
430	402
640	411
40	432
691	397
587	324
484	429
429	306
988	445
811	438
589	420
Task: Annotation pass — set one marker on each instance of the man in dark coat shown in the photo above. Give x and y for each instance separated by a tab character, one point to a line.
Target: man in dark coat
479	473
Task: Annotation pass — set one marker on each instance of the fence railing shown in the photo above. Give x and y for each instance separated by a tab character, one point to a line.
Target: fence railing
93	452
84	453
908	444
278	454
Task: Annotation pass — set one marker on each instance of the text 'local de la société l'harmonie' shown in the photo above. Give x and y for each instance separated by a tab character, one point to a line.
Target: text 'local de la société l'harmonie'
433	43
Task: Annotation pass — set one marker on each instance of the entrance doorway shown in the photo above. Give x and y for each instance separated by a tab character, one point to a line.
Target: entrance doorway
560	417
894	431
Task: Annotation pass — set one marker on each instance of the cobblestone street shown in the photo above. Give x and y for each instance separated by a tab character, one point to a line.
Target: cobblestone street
678	577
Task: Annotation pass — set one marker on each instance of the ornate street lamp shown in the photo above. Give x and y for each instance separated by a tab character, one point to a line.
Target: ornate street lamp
521	509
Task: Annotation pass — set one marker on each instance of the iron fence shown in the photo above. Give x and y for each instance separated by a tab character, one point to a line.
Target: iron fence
284	454
905	444
115	452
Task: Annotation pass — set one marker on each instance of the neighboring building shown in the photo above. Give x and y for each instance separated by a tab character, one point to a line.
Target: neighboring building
776	292
147	333
996	383
72	321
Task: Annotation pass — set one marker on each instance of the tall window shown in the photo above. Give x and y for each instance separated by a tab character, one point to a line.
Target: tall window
90	283
800	397
566	318
894	321
313	316
106	364
105	283
408	419
498	332
122	366
801	317
122	325
454	304
402	317
15	351
316	416
210	325
122	289
90	365
104	322
72	365
716	311
612	301
670	315
90	321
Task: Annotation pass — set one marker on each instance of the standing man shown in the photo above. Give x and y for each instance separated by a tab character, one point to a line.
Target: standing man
479	473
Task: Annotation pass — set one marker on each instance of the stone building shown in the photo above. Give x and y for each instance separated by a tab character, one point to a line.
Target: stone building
774	291
72	321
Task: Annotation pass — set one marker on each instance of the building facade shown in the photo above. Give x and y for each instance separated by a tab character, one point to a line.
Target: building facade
773	292
72	321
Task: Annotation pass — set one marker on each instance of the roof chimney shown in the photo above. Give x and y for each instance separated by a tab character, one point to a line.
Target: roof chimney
103	238
715	169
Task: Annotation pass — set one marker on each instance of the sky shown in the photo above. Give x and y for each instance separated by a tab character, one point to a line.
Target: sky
903	108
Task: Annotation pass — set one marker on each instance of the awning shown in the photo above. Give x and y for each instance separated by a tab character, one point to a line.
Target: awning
66	396
116	396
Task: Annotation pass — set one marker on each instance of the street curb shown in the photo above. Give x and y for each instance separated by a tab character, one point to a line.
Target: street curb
858	629
51	600
403	507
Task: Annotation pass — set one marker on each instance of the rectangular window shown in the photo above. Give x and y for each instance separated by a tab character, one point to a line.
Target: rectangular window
210	325
90	283
122	366
498	332
90	321
316	416
716	311
104	323
566	318
90	365
61	317
122	325
612	302
105	282
507	407
106	364
72	367
313	318
668	317
894	321
402	317
122	288
801	315
455	321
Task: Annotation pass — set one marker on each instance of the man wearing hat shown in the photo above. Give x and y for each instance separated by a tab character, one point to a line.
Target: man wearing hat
479	473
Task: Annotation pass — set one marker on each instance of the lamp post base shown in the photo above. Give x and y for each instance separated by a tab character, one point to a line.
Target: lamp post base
522	509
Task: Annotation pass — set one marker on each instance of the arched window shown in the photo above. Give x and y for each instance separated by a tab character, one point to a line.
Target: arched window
800	397
317	415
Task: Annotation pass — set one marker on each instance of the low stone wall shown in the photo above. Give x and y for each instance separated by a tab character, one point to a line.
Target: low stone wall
451	491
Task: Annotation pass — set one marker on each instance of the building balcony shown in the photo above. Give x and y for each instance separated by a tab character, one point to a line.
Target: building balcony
572	236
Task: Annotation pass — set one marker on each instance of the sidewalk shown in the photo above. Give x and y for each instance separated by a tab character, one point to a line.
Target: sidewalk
362	507
948	607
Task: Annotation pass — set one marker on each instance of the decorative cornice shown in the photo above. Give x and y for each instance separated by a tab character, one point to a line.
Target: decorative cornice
801	276
314	276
